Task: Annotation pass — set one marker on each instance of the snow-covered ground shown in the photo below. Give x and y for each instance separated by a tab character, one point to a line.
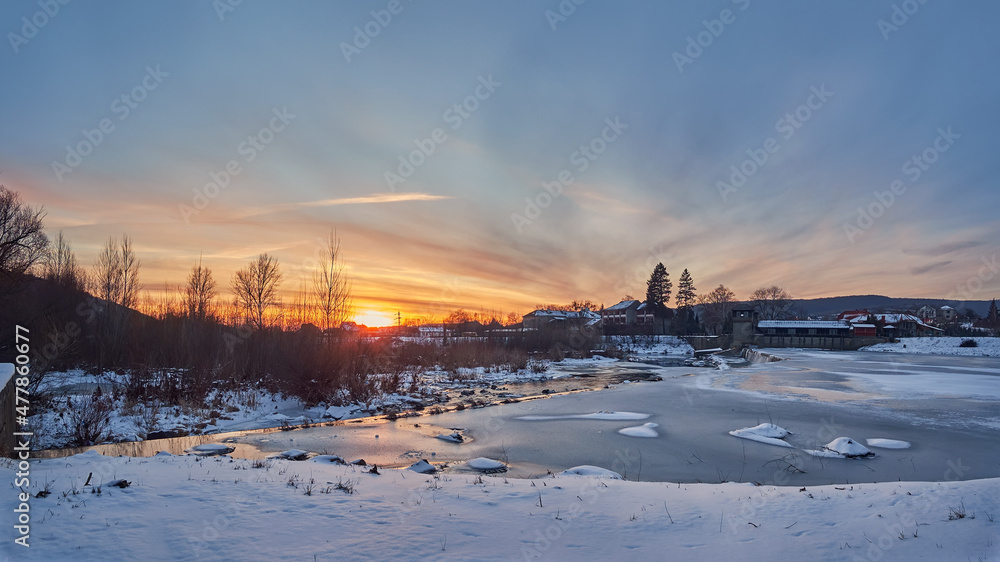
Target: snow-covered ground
650	346
217	508
251	409
986	346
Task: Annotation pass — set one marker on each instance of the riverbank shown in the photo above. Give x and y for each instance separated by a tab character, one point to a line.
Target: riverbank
223	509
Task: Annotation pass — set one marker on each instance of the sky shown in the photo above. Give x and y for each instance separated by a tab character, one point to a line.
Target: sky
499	155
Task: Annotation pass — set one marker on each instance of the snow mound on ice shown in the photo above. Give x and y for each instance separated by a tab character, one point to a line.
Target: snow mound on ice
823	453
163	454
328	459
765	430
487	465
594	471
848	447
208	449
887	443
292	455
764	433
844	448
602	415
423	467
644	430
452	438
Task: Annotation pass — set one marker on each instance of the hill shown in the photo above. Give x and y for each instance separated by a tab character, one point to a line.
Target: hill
879	303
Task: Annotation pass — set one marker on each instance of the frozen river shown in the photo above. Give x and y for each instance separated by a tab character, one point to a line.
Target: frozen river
948	408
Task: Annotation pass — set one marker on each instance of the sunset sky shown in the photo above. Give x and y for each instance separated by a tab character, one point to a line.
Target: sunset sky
309	114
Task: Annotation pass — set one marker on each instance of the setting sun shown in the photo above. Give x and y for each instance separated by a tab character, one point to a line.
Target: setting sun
375	318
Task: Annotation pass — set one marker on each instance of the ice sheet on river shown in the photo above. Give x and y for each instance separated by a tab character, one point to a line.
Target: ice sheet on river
602	415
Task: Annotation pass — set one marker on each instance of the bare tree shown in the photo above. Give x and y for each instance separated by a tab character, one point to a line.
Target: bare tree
718	308
771	303
116	273
199	293
256	288
61	265
331	287
22	241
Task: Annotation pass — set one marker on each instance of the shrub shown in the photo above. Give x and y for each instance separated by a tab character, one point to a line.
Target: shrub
968	343
89	418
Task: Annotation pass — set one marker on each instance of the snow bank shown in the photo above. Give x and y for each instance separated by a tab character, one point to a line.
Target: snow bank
644	430
764	433
986	346
887	443
216	508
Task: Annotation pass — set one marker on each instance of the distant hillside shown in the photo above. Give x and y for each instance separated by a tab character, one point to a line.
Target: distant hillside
879	303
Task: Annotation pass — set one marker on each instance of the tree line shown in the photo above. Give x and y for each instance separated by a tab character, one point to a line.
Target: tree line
770	303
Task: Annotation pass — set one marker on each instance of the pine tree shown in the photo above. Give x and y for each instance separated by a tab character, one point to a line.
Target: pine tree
658	290
993	316
685	291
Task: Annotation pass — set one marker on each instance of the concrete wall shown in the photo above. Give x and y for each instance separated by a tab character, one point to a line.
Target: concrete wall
709	342
818	342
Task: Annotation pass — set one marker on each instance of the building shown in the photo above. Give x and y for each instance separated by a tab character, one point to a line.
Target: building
644	314
903	325
837	328
569	319
927	312
946	315
621	314
865	330
744	319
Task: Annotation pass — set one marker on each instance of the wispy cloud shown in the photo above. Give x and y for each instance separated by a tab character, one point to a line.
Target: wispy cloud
930	267
376	198
943	249
364	200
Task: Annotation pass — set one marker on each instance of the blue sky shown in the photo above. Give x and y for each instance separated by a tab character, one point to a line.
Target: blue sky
458	231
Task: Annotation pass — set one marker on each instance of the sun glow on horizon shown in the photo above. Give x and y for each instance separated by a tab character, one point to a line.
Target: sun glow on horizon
375	318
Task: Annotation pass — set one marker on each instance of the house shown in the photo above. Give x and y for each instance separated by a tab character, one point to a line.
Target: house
904	325
571	319
644	314
865	330
927	312
946	315
623	313
627	313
